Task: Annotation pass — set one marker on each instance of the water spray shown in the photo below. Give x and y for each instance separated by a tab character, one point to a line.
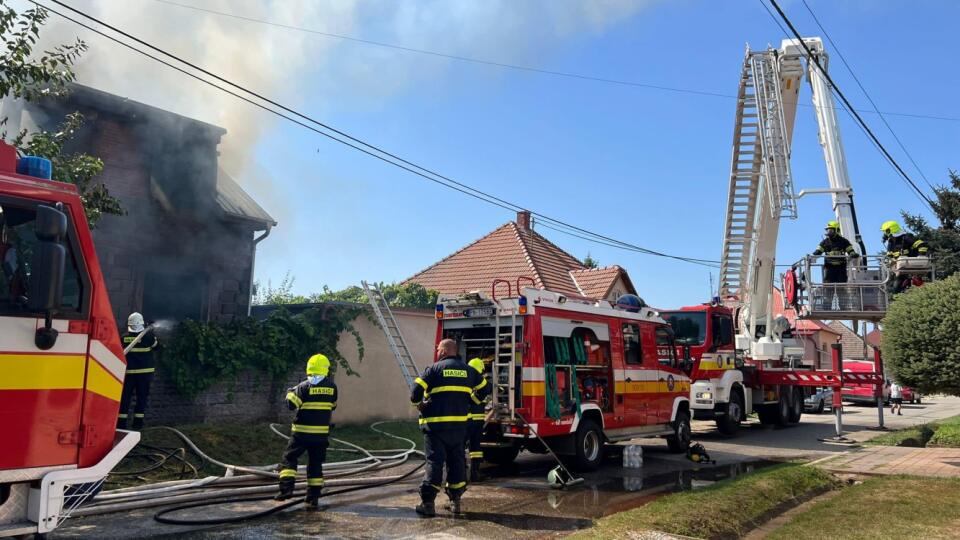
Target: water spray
165	324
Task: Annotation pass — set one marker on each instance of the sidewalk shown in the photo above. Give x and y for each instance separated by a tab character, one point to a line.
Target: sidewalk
883	460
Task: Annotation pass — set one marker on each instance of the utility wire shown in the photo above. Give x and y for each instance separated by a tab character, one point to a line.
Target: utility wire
505	65
812	58
866	94
360	145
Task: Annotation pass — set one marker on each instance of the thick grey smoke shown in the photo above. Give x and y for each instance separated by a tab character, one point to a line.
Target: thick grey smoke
281	63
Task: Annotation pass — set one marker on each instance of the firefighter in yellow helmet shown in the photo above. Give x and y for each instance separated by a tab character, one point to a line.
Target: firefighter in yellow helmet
475	422
314	400
836	250
901	243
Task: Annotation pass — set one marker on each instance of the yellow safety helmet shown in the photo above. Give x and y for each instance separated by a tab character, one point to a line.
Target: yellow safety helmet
476	364
833	224
890	227
318	364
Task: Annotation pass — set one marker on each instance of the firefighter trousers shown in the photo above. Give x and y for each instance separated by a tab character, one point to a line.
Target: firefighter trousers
139	384
316	450
444	449
474	435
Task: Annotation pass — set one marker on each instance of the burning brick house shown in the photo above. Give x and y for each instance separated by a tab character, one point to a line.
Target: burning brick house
187	246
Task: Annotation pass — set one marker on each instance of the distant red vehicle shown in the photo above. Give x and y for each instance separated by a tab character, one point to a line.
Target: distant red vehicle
859	392
910	395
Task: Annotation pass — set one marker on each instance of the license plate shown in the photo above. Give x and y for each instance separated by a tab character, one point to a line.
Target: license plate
478	312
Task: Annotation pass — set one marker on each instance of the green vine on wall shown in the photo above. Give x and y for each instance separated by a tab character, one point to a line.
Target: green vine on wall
199	354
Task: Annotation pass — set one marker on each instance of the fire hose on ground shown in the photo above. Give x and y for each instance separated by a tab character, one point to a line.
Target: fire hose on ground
249	486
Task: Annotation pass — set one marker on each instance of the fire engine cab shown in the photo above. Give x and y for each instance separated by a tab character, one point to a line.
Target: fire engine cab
573	372
61	363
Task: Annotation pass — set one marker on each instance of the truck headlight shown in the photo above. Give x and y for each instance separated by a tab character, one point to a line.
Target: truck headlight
704	395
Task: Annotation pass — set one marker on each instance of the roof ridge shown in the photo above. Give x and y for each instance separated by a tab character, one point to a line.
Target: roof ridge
526	254
459	251
575	282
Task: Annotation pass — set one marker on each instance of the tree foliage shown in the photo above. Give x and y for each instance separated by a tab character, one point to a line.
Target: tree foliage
944	241
410	295
920	332
590	262
201	354
24	74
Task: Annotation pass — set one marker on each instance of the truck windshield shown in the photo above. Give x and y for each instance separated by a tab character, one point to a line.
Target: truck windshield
689	328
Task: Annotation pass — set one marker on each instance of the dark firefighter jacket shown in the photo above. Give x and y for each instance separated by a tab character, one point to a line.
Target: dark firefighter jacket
446	387
314	405
140	358
907	245
836	250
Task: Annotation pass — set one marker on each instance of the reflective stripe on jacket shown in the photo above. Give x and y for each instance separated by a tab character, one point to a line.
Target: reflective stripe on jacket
140	359
447	387
314	405
836	250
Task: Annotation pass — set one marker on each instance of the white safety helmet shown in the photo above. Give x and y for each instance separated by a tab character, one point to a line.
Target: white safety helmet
135	322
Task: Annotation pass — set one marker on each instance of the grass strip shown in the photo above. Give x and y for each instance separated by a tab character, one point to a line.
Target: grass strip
727	509
883	507
942	433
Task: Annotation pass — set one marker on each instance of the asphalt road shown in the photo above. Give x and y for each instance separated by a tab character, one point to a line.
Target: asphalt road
515	501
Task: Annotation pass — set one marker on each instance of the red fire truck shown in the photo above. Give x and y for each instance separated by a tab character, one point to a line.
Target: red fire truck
575	372
61	362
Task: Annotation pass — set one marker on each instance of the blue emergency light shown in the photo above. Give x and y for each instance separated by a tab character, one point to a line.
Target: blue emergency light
35	166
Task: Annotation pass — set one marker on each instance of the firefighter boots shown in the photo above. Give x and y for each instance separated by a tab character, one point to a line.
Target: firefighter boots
312	498
454	506
286	489
426	509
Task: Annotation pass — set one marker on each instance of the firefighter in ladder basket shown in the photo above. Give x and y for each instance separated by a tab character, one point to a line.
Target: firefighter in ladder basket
836	250
901	243
442	395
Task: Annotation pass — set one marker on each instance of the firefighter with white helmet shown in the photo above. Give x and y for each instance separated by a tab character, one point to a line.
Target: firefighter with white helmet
314	400
141	366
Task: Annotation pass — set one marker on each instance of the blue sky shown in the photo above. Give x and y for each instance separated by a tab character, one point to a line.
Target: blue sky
642	165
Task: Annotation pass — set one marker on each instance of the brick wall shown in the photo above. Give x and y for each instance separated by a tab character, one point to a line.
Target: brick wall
155	236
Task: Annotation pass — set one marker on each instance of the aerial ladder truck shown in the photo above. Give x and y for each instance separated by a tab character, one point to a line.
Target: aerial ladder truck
743	356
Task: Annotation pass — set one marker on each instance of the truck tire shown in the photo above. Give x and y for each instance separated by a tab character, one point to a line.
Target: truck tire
501	455
729	422
784	406
588	446
767	414
680	440
796	405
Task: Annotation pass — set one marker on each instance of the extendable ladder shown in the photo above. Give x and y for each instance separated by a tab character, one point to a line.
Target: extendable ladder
392	330
504	373
760	159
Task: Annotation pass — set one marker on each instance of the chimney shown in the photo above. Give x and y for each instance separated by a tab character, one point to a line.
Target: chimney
523	220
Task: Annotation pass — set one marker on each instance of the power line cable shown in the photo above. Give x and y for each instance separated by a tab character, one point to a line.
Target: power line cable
866	94
812	58
369	149
505	65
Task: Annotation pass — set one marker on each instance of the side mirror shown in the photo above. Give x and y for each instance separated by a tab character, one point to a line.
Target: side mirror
47	271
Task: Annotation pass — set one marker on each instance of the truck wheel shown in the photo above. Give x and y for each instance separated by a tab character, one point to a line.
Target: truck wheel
796	405
767	414
502	455
589	446
783	406
680	440
729	422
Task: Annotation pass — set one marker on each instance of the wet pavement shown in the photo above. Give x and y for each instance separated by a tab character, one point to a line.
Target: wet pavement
515	501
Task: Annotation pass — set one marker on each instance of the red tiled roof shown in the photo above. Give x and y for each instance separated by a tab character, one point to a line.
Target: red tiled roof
802	326
510	252
851	342
597	282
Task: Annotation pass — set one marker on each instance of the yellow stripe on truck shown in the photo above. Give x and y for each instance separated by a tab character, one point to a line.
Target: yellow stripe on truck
534	388
650	387
41	371
100	381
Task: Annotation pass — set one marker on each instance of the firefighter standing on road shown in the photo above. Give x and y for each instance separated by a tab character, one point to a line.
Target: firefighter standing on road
835	249
475	423
442	394
314	400
140	370
900	243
